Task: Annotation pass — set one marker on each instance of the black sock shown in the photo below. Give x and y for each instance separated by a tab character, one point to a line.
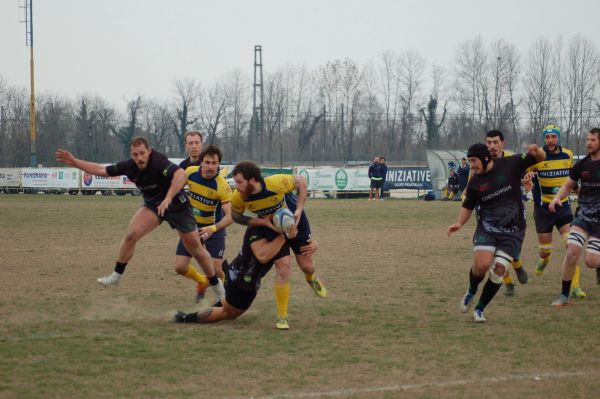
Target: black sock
489	290
214	280
566	288
120	267
474	282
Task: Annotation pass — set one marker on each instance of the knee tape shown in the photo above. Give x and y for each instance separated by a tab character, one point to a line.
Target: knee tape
503	259
546	249
593	246
576	238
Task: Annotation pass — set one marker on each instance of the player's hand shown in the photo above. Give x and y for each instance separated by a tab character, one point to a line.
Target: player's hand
553	204
205	233
292	234
532	149
453	228
65	157
163	206
297	215
309	249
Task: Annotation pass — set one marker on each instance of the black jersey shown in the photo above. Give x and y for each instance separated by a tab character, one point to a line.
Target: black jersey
498	194
245	271
186	163
154	181
587	173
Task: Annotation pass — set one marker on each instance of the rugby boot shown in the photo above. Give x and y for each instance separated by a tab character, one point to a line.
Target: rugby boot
541	266
478	316
510	290
560	301
113	279
522	275
465	302
578	293
318	287
282	324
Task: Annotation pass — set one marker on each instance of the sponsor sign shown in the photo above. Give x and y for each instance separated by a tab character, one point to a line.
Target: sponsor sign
357	179
67	178
10	177
101	183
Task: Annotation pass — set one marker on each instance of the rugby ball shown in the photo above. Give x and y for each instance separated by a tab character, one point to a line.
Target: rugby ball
284	220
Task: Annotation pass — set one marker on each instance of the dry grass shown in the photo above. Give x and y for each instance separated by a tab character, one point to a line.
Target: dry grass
390	327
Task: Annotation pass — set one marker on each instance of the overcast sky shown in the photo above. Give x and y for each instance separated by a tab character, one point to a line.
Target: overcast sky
120	48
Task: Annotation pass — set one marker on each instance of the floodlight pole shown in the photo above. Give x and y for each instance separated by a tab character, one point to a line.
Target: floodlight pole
29	42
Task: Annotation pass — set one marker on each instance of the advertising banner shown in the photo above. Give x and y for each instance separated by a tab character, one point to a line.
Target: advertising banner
408	178
357	179
10	177
67	178
101	183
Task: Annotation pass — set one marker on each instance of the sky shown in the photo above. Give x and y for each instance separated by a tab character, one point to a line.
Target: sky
118	49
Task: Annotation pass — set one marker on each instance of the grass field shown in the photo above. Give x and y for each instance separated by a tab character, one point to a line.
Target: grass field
389	328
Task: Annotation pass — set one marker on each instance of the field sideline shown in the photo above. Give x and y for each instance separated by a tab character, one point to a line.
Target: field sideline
389	328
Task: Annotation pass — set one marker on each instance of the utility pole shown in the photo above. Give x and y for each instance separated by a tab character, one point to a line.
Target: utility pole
257	104
28	7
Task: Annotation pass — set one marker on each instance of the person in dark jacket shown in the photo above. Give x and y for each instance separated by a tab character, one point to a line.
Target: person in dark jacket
376	176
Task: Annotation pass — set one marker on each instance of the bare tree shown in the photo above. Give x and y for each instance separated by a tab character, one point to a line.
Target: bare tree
539	85
213	104
186	95
412	65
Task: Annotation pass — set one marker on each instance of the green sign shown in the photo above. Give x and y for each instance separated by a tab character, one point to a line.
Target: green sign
341	179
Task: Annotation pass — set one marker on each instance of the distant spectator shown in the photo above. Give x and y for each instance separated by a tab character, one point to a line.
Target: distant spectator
463	177
384	170
376	176
451	189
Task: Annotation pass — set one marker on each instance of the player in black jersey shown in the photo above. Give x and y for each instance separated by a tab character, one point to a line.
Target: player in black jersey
260	249
496	188
586	224
161	183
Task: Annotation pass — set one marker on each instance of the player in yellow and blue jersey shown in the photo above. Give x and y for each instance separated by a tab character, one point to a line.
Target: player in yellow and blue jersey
550	175
207	191
263	197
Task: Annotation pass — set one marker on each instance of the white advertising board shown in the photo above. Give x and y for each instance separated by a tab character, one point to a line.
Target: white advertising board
99	182
10	177
67	178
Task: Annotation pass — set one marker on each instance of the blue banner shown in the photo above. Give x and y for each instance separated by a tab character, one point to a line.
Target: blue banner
413	178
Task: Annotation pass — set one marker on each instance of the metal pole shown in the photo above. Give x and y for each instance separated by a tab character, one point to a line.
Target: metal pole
29	41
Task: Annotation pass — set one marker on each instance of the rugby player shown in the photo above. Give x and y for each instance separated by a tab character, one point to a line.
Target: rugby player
261	247
548	177
496	188
494	139
161	183
586	223
207	191
263	197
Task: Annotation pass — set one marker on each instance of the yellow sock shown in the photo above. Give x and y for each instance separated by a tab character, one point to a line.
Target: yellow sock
575	281
309	277
282	296
193	274
507	279
517	264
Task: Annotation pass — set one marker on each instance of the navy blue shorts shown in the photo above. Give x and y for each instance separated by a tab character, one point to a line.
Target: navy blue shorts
510	243
215	246
180	220
303	236
546	220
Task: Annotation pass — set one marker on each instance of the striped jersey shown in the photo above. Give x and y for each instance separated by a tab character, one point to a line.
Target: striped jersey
269	199
552	173
206	194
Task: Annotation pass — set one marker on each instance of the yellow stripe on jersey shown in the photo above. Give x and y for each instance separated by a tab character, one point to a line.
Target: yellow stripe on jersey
552	174
269	199
205	194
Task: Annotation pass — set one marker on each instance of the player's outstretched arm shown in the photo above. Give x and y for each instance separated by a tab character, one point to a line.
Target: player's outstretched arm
92	168
537	152
265	250
463	216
